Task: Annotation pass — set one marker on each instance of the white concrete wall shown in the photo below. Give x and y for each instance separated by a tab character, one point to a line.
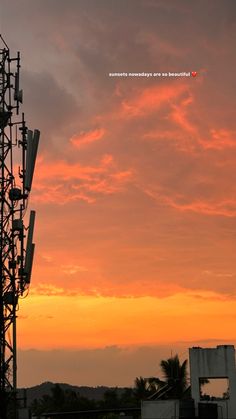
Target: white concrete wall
159	409
216	362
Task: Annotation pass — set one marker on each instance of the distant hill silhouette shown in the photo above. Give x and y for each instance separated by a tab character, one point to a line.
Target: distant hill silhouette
93	393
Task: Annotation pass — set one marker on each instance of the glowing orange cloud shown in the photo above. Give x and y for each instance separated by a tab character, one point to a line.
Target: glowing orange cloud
89	137
179	115
143	102
220	139
62	182
226	208
61	169
174	137
150	99
178	128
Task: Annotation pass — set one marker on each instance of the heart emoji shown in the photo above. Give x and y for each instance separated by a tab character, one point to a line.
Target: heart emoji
194	73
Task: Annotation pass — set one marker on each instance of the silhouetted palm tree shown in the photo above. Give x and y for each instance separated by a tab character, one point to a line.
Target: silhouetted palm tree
172	387
141	388
155	384
175	376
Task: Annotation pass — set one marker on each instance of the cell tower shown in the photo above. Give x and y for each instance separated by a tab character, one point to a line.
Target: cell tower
18	150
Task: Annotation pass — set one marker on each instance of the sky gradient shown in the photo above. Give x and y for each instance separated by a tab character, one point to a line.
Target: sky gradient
134	185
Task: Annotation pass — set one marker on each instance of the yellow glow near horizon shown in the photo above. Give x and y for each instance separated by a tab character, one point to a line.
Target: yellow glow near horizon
85	321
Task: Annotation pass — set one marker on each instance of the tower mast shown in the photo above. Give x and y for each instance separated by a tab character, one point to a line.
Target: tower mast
18	150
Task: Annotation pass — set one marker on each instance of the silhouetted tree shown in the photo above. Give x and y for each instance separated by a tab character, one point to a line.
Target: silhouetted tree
141	388
58	397
155	384
110	399
175	376
60	401
127	398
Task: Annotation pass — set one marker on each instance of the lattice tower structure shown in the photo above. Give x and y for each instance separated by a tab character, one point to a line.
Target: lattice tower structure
18	149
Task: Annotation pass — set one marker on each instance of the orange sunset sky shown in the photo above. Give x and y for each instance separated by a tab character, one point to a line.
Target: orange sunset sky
134	187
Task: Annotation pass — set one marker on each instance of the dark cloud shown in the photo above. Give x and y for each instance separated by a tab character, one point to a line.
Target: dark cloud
114	366
51	108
